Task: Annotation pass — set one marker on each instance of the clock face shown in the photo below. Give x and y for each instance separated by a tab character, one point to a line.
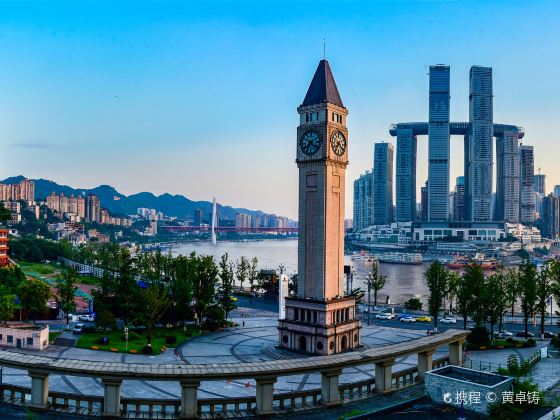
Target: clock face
338	143
310	143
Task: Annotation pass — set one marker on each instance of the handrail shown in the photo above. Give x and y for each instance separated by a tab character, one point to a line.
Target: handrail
169	372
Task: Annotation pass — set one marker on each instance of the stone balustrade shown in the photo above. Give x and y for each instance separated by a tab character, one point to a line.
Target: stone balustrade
265	374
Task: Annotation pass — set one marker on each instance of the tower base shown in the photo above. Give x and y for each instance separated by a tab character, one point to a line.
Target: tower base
319	327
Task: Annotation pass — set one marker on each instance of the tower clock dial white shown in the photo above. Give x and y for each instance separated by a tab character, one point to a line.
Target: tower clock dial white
338	143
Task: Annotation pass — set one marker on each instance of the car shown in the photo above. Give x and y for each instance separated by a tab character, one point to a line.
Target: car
548	334
503	333
524	334
87	318
407	319
78	328
424	319
384	316
448	320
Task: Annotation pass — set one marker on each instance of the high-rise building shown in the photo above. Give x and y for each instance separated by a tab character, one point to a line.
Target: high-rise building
479	146
507	182
320	319
198	214
27	190
424	202
93	209
526	184
383	184
557	190
363	208
438	143
405	175
540	183
550	219
459	199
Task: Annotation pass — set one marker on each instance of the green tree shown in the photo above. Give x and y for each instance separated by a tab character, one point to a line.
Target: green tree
545	288
452	288
205	284
182	284
66	289
155	301
225	299
511	289
242	270
253	275
464	301
474	278
413	304
34	295
11	277
126	289
5	214
527	290
437	277
375	281
495	302
7	304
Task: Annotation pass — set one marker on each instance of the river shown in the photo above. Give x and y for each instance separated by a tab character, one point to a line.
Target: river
403	281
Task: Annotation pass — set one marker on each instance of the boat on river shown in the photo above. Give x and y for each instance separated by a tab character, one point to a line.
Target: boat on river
461	261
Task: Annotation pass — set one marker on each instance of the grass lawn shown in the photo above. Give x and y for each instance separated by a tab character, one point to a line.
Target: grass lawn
43	269
136	341
88	280
53	335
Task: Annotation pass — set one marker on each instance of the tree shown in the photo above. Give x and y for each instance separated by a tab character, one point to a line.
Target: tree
155	301
206	278
7	304
554	268
225	300
474	278
413	304
464	301
527	290
182	283
376	281
66	290
126	289
437	277
544	290
242	271
452	288
494	299
511	289
253	274
34	295
5	214
11	277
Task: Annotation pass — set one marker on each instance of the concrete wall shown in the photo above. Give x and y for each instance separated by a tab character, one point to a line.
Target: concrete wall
29	338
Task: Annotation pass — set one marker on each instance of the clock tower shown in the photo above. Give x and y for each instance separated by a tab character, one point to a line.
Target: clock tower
321	320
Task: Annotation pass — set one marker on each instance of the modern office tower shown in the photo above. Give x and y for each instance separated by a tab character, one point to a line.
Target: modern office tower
198	217
406	175
557	190
526	185
363	209
550	220
424	202
538	205
540	183
478	146
459	199
93	208
383	184
438	143
507	182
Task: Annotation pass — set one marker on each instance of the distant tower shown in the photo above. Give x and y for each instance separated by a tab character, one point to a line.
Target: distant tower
214	222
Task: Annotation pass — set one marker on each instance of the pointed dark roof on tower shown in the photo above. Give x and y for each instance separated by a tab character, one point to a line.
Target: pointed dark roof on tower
323	87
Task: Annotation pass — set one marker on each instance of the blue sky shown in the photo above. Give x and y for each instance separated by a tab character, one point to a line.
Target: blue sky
200	98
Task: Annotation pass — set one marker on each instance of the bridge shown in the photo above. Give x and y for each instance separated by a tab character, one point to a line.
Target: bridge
227	229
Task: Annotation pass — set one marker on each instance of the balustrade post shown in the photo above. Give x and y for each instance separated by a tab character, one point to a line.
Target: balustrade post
329	387
39	390
189	402
384	376
112	397
456	353
265	396
425	363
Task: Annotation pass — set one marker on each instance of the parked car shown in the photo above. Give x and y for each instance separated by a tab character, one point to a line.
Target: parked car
385	315
424	319
524	334
448	320
78	328
408	319
87	318
548	334
502	334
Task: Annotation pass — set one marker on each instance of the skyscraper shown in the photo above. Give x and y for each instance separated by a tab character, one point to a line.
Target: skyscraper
383	184
406	175
198	215
550	219
424	202
363	208
93	208
557	190
478	146
507	183
438	143
459	199
540	183
526	185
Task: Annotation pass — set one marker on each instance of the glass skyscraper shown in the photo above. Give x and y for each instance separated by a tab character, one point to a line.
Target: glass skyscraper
438	143
362	201
383	184
526	185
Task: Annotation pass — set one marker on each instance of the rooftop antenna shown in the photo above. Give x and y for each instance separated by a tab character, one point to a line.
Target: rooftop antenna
539	169
324	49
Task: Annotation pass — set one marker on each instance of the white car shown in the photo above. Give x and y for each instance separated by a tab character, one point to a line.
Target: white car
448	320
386	315
408	319
78	328
87	318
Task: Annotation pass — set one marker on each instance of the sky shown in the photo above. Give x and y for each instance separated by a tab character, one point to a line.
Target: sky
200	98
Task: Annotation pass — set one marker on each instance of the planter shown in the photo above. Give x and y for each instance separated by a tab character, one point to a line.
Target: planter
113	349
482	348
133	351
95	347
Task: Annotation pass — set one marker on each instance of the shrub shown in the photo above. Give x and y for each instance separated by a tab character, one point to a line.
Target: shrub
147	350
531	342
132	336
479	336
89	329
170	339
414	304
101	340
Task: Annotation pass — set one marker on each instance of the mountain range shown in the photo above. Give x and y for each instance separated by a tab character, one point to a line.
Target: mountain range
120	204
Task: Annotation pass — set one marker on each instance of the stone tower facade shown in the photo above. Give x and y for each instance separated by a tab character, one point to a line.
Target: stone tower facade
320	319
